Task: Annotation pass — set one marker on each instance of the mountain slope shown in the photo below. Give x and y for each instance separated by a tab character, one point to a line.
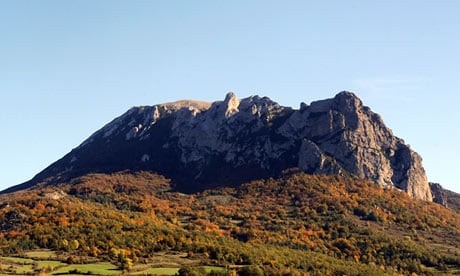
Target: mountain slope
297	223
200	145
445	197
453	200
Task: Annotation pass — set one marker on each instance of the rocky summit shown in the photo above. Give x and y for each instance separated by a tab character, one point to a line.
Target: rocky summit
201	145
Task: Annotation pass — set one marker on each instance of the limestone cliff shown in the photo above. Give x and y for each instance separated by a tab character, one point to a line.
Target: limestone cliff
201	145
439	195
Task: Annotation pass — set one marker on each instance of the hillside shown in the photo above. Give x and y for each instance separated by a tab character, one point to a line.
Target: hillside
453	200
294	223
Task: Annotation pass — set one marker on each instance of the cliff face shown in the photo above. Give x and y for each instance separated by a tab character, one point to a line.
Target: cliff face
201	144
350	137
438	193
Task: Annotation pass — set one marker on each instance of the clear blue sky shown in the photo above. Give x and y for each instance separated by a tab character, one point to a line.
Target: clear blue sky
69	67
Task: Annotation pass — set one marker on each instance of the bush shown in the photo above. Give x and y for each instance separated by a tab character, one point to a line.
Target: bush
252	270
372	216
192	271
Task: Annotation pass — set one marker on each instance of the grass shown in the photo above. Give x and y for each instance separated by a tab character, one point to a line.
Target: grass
173	270
96	268
18	266
158	271
51	264
41	254
25	269
21	266
214	268
17	260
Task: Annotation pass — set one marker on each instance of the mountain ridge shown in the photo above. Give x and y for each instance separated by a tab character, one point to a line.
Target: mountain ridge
201	145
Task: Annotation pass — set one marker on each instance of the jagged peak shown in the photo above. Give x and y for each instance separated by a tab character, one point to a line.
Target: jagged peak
348	100
231	96
258	101
231	104
201	105
255	104
346	94
303	106
343	101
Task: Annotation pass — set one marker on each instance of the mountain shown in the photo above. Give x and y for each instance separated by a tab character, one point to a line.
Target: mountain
225	143
234	187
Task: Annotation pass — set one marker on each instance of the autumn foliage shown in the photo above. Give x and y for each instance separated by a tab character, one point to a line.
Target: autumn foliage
298	222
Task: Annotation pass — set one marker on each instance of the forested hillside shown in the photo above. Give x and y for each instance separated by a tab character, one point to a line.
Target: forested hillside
296	223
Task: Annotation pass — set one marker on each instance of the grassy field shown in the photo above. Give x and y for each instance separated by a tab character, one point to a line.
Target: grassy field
173	270
208	269
35	261
46	261
52	265
17	260
41	254
95	269
158	271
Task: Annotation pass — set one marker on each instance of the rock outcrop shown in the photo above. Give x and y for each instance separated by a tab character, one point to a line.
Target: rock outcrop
201	145
438	193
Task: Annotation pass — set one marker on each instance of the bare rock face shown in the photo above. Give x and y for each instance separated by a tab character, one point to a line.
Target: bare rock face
358	140
438	193
201	145
314	161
